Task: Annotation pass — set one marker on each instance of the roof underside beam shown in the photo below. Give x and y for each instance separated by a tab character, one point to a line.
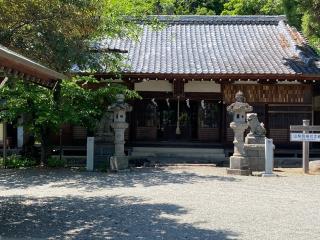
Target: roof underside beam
9	72
13	64
222	78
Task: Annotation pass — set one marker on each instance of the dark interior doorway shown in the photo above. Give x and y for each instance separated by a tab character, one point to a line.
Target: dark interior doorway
157	120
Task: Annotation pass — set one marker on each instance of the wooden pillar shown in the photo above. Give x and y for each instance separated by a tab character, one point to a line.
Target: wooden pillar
266	119
223	123
4	125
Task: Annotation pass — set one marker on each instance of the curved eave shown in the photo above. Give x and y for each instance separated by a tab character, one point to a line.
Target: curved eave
15	64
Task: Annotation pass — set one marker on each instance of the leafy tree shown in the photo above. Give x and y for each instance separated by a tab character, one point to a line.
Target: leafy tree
43	112
59	33
185	7
304	15
253	7
293	12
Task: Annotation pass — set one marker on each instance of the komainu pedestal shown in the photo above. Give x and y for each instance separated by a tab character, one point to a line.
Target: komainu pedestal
254	143
238	161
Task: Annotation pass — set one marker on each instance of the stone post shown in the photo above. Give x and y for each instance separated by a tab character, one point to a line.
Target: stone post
268	158
238	161
90	154
119	160
20	136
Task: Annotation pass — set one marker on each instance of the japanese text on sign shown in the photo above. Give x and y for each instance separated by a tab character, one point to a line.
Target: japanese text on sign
305	137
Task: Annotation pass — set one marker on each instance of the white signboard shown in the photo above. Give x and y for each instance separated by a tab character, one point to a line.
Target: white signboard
305	137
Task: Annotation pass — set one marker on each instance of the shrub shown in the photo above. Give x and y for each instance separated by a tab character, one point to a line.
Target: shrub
15	161
56	162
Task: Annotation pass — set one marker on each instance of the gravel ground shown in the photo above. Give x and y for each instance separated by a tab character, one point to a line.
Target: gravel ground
175	202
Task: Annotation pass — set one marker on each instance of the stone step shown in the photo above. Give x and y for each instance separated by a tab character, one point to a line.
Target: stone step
178	150
190	155
175	160
179	155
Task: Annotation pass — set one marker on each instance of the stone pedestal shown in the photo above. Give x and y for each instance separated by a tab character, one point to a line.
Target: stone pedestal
255	143
119	157
118	163
119	160
256	156
238	166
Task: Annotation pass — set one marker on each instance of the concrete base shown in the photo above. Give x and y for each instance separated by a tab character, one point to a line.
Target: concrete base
255	156
119	163
241	172
268	175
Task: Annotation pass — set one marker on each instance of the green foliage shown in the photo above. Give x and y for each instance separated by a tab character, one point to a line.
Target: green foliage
59	33
15	161
185	7
253	7
305	16
84	106
34	102
293	12
80	101
55	162
311	22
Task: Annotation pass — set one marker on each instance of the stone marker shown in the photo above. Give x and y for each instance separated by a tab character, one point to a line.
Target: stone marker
90	153
20	136
119	160
268	158
238	161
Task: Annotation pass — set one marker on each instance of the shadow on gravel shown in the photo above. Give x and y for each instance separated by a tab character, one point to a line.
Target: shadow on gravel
96	218
147	177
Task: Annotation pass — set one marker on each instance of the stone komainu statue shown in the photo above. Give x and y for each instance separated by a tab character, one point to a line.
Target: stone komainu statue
256	128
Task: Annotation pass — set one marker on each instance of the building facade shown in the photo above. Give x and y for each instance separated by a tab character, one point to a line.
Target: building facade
189	70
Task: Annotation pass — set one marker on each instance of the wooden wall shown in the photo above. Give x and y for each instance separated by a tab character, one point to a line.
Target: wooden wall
269	93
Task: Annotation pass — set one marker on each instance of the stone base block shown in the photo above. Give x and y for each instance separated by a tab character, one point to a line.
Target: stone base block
255	156
119	163
246	172
256	163
254	139
268	175
238	166
238	162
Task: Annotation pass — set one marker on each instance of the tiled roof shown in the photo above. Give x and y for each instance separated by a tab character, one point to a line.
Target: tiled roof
218	45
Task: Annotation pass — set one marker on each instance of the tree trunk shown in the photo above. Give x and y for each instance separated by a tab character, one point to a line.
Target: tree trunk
44	139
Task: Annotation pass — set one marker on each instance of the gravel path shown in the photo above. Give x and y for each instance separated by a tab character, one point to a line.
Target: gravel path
176	202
